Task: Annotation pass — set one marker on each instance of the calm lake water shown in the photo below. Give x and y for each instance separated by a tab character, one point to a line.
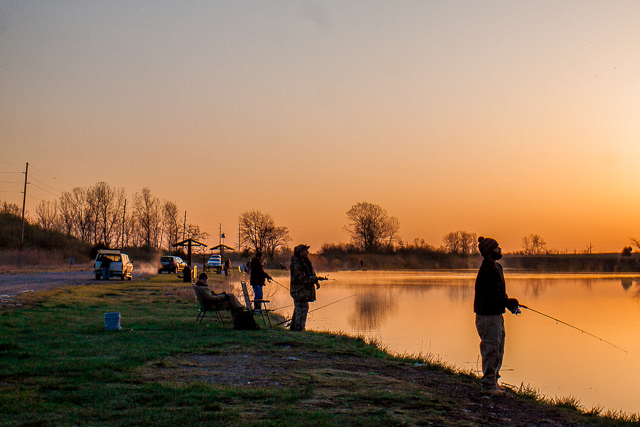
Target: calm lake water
432	312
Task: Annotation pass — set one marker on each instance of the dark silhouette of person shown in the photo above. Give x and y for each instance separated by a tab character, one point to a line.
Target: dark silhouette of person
257	279
489	305
106	265
304	283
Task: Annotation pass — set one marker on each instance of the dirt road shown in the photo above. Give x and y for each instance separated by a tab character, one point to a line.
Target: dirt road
14	284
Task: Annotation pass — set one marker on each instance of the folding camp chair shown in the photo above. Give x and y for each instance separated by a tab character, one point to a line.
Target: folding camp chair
203	309
249	303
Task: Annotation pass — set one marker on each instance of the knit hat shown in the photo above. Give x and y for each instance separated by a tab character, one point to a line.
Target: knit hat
486	245
300	248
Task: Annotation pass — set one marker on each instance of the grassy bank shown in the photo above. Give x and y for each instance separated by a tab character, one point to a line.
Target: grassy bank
60	367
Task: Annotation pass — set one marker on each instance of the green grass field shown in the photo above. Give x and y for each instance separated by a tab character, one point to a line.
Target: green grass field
59	367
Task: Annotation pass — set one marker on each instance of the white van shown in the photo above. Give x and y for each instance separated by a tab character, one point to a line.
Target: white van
119	266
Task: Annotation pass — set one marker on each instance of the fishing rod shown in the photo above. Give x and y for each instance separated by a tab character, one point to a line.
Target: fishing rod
273	280
320	278
326	305
571	326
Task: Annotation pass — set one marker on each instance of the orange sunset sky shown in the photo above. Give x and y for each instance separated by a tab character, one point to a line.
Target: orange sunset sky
502	118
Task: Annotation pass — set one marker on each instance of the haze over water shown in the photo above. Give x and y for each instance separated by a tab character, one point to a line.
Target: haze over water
432	312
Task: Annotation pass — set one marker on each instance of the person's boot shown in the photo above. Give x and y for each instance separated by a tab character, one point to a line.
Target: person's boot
498	390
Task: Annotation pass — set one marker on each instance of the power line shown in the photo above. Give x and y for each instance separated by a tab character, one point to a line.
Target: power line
40	170
43	189
53	188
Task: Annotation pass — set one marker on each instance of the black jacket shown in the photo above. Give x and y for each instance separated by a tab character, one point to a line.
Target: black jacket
491	296
258	275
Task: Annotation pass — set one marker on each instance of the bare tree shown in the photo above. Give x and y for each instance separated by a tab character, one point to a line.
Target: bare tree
276	237
107	203
11	208
391	229
76	213
193	232
451	242
460	242
369	226
534	244
260	232
468	242
146	212
47	215
171	223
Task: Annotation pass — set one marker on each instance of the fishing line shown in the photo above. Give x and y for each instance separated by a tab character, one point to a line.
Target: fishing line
574	327
326	305
280	308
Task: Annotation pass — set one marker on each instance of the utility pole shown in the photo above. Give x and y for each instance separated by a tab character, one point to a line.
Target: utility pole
24	202
184	226
239	247
124	215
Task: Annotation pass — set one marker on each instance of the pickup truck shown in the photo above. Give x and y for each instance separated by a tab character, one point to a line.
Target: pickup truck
120	265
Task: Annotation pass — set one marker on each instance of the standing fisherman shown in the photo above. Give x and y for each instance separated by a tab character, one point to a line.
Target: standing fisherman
489	304
304	283
106	267
257	278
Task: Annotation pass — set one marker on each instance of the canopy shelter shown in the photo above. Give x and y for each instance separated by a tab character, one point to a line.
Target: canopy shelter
189	243
221	248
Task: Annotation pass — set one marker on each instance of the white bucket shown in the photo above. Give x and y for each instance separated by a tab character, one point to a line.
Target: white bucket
112	321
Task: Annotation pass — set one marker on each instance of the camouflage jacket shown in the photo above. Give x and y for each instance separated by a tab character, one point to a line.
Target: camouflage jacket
303	280
210	299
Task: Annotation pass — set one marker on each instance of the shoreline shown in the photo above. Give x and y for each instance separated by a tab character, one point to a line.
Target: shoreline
181	372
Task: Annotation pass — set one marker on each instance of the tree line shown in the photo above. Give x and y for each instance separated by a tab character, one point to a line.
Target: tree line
100	215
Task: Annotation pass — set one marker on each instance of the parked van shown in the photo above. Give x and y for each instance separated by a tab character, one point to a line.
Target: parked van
119	265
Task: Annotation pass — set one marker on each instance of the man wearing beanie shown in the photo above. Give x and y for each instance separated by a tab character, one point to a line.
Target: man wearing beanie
489	305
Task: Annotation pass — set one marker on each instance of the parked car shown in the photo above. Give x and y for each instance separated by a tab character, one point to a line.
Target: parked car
119	266
215	262
171	264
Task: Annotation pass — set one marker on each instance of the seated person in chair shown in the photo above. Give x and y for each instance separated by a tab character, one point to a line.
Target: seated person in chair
214	301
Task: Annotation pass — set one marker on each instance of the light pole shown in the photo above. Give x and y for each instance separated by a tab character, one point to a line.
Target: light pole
221	236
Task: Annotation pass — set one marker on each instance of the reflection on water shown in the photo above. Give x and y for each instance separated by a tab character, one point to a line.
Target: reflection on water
535	287
413	312
371	310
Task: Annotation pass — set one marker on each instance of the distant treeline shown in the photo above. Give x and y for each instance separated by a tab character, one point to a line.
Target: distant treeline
346	256
99	214
50	247
571	263
44	246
